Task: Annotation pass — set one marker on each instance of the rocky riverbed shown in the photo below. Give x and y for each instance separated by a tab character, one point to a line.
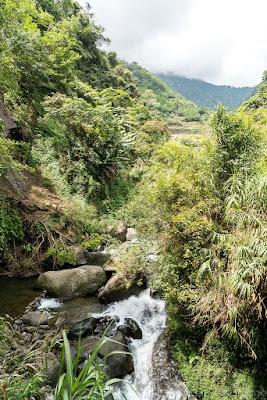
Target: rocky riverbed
134	325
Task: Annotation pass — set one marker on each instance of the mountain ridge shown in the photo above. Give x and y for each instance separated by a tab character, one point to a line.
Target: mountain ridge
207	94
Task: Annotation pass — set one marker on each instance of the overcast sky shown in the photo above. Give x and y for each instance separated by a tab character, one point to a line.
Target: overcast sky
222	42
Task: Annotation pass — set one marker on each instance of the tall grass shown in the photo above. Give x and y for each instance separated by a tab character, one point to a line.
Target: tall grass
91	383
234	272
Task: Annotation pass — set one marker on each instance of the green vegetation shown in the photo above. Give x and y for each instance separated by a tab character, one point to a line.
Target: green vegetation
23	381
206	208
162	101
11	228
206	94
79	119
90	383
93	141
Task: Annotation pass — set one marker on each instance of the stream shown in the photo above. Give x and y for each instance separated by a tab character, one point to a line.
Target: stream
16	294
144	383
154	377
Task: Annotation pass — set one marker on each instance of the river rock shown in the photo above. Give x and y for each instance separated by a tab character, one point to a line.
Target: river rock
50	367
118	288
82	328
117	364
131	234
80	257
131	329
35	318
74	282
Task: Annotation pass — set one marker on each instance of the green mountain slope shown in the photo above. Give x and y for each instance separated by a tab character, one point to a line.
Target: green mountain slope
206	94
162	101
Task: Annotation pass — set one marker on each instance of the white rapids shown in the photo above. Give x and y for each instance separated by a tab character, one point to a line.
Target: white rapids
49	303
151	316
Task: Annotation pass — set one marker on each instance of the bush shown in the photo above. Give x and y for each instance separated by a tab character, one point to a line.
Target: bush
11	227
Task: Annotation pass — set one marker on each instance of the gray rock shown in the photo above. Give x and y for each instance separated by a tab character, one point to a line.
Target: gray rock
74	282
118	364
121	230
112	264
35	318
30	329
131	234
80	257
50	368
131	328
43	327
84	327
118	288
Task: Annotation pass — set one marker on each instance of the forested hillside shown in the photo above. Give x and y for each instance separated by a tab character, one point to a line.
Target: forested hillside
80	129
206	94
161	100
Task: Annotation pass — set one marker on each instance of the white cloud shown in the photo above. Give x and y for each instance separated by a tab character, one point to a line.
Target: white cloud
221	42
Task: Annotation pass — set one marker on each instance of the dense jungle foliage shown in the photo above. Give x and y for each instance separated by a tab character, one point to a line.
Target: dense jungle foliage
92	137
206	94
80	122
206	209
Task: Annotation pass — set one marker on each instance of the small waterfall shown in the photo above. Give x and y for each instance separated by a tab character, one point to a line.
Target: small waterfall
142	384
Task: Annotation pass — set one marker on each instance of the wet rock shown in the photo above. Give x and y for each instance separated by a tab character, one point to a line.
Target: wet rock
35	318
84	327
131	328
74	282
131	234
166	376
118	364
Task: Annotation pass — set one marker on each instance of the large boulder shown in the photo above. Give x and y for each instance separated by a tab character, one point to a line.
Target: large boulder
74	282
120	363
113	264
119	287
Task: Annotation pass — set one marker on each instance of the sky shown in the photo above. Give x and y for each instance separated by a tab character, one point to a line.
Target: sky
222	42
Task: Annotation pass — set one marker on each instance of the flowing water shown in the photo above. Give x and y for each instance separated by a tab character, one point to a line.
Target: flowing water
142	384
